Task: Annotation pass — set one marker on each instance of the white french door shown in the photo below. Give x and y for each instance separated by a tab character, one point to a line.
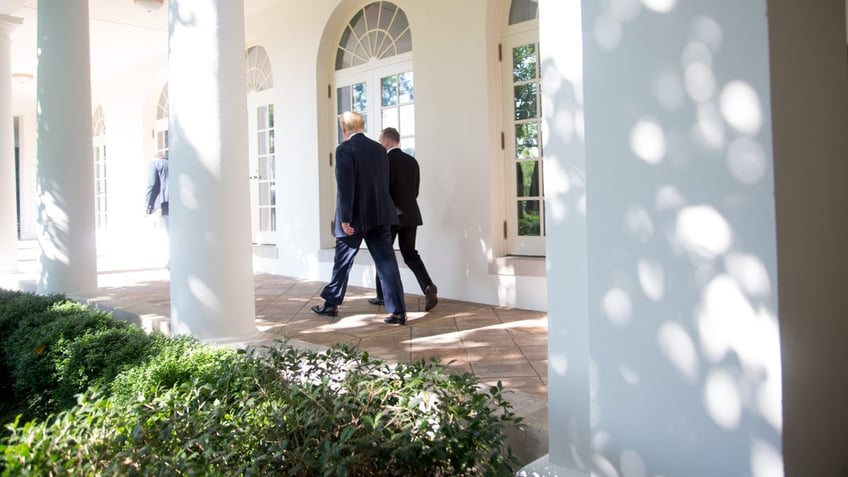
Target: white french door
263	170
523	173
383	94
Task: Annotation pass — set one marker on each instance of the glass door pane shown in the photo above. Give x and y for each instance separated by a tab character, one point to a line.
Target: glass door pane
263	169
523	150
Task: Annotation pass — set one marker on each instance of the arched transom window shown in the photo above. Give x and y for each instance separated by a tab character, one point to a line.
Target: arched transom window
378	31
258	75
374	71
523	11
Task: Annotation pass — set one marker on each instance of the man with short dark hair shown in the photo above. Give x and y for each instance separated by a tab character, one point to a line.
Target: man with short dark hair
404	181
364	210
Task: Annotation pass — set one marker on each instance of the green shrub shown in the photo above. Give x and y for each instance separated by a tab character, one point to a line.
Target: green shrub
95	358
288	412
14	307
177	361
40	347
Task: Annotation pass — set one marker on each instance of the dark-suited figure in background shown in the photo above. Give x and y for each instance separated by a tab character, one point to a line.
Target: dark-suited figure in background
404	181
157	187
364	211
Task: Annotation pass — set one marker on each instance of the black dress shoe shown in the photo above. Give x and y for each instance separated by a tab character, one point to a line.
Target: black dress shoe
325	309
376	301
432	299
396	319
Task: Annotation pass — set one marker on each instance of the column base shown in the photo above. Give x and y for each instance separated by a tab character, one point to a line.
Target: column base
542	467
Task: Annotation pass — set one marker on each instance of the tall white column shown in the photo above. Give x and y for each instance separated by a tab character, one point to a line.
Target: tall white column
211	258
65	189
561	47
8	188
665	335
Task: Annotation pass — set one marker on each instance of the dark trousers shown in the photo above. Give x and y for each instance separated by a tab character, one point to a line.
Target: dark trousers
406	243
165	221
379	243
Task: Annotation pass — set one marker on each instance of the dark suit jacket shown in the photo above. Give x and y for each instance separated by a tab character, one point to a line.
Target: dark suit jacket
404	179
362	182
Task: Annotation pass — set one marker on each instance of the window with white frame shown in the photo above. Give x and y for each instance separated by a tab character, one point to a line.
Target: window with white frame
263	178
374	71
524	223
160	127
99	143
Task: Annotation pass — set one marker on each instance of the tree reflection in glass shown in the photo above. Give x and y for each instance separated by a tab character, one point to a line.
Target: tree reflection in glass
527	178
389	90
529	223
524	63
526	101
526	140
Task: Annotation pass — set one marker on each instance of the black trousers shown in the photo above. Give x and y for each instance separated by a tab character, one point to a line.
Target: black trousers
379	243
406	243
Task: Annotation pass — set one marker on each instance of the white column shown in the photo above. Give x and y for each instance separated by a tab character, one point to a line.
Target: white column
664	344
211	257
8	188
561	47
65	189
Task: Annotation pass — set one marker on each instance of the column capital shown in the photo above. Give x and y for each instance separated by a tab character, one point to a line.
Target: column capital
8	24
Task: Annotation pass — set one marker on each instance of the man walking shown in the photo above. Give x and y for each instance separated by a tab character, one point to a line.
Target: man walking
364	210
157	193
404	181
157	187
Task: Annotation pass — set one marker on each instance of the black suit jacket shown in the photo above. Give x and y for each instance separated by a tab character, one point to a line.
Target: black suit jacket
404	180
362	182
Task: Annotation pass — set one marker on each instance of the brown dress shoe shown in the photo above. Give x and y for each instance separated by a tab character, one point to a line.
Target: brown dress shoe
432	299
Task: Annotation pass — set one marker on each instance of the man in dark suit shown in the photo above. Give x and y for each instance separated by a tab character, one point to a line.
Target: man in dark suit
404	180
364	210
157	192
157	187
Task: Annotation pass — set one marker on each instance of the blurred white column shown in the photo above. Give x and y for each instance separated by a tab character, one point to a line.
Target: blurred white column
65	188
211	257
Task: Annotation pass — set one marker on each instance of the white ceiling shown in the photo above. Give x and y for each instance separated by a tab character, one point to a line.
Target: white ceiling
121	34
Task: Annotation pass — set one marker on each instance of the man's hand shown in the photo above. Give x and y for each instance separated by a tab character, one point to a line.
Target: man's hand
347	228
148	210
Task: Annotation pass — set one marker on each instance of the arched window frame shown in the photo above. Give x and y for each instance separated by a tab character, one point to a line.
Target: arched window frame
524	221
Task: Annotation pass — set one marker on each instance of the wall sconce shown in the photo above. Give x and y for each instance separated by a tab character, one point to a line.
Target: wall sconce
22	78
149	5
